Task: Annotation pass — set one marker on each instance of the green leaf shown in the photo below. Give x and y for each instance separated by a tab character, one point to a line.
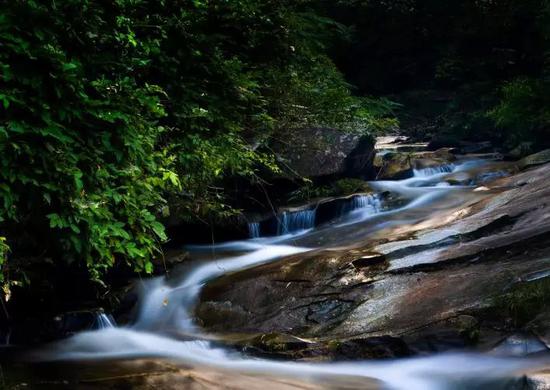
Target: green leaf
158	228
149	267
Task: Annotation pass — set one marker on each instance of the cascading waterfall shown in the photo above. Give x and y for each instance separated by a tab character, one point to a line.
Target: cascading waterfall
295	221
432	171
104	321
169	305
254	229
370	203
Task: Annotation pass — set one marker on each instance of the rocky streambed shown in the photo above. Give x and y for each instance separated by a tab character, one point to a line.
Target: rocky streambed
442	285
443	281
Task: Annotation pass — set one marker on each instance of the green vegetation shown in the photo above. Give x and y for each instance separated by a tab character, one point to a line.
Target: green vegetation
524	111
523	302
109	109
463	70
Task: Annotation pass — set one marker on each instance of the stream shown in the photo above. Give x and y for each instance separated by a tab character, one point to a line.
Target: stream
165	326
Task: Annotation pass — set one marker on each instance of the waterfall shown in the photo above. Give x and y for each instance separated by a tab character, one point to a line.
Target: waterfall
103	321
366	201
426	172
167	308
371	203
254	229
295	221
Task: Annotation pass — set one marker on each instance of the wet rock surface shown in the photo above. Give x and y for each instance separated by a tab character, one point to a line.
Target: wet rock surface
143	375
542	157
436	288
400	165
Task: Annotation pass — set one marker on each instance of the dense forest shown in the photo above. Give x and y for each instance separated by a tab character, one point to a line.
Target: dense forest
116	115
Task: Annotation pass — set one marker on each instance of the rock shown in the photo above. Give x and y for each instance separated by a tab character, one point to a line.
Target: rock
390	140
182	231
327	310
325	209
393	166
443	274
326	152
369	260
396	165
482	175
293	295
539	158
537	381
385	347
66	324
277	342
140	374
522	150
519	345
211	313
171	259
539	326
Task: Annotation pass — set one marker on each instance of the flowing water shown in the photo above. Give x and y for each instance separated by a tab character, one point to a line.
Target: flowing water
254	229
104	321
165	327
295	221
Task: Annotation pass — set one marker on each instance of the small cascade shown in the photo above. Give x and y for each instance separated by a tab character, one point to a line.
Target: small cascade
295	221
254	229
364	202
103	321
427	172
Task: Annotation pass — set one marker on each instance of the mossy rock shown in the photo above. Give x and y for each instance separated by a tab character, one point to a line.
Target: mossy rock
278	342
396	165
383	347
338	188
539	158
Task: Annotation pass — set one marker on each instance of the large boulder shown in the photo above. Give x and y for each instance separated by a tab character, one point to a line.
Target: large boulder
539	158
326	152
400	165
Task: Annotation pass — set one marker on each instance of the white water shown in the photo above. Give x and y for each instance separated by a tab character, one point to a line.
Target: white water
254	229
420	190
425	373
368	204
104	321
166	307
295	221
426	172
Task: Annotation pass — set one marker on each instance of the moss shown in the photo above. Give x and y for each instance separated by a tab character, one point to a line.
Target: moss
342	187
334	345
524	301
349	186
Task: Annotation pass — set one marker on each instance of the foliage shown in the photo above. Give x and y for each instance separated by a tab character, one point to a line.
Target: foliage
524	301
524	111
4	249
80	169
472	53
109	109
